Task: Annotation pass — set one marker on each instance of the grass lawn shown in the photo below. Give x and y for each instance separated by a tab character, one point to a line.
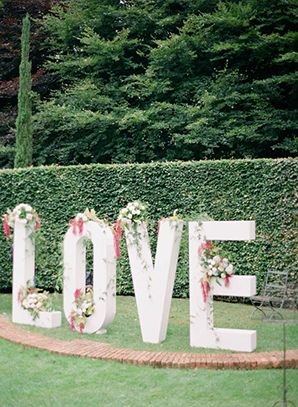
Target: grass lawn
29	377
33	378
125	330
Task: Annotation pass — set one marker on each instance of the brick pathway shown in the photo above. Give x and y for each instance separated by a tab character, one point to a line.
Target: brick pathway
97	350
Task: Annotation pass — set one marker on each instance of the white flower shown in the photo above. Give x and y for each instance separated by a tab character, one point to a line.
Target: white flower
229	269
217	259
29	216
223	275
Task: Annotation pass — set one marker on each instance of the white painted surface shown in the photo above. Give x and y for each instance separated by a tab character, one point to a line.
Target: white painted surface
48	319
202	331
23	272
153	285
230	230
104	273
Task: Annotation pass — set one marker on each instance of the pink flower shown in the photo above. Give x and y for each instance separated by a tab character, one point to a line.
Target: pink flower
116	246
204	246
82	326
118	229
80	224
5	225
20	296
37	223
73	223
77	293
72	323
205	288
227	280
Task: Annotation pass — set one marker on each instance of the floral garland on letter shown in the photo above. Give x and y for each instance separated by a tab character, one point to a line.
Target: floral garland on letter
214	265
22	213
133	214
34	300
83	307
77	223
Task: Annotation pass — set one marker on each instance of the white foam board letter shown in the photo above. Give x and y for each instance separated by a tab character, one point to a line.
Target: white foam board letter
104	273
23	272
202	331
153	285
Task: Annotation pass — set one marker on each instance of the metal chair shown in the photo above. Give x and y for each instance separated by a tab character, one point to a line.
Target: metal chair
273	295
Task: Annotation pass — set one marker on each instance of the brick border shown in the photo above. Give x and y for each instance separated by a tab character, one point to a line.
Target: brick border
103	351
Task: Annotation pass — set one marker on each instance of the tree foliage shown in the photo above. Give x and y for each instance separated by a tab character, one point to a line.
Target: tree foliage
11	16
153	80
23	157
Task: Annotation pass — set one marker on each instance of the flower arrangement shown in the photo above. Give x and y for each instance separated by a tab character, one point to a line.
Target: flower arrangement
77	223
83	307
214	265
22	213
134	212
34	300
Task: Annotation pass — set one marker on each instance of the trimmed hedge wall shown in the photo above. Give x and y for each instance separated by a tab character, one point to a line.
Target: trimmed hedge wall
260	190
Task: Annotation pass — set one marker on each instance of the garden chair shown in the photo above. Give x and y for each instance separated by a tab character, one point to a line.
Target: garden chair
292	296
274	294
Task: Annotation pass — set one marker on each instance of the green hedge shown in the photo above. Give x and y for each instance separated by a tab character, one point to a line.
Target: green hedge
260	190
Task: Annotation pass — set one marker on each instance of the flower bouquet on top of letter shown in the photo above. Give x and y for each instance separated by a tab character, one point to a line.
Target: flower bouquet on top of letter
34	300
77	223
130	217
82	308
22	213
134	212
214	266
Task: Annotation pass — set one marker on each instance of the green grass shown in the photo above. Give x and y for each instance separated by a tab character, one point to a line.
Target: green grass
30	378
125	330
33	378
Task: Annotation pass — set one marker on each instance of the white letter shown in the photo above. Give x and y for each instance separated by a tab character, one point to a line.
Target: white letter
202	332
153	286
104	273
23	272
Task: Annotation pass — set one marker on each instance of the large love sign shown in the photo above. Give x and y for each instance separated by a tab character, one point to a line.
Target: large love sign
153	282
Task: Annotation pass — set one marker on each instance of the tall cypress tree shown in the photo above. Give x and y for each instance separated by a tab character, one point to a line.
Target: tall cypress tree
23	157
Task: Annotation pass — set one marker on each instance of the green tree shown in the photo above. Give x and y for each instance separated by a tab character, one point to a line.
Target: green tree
23	157
157	80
